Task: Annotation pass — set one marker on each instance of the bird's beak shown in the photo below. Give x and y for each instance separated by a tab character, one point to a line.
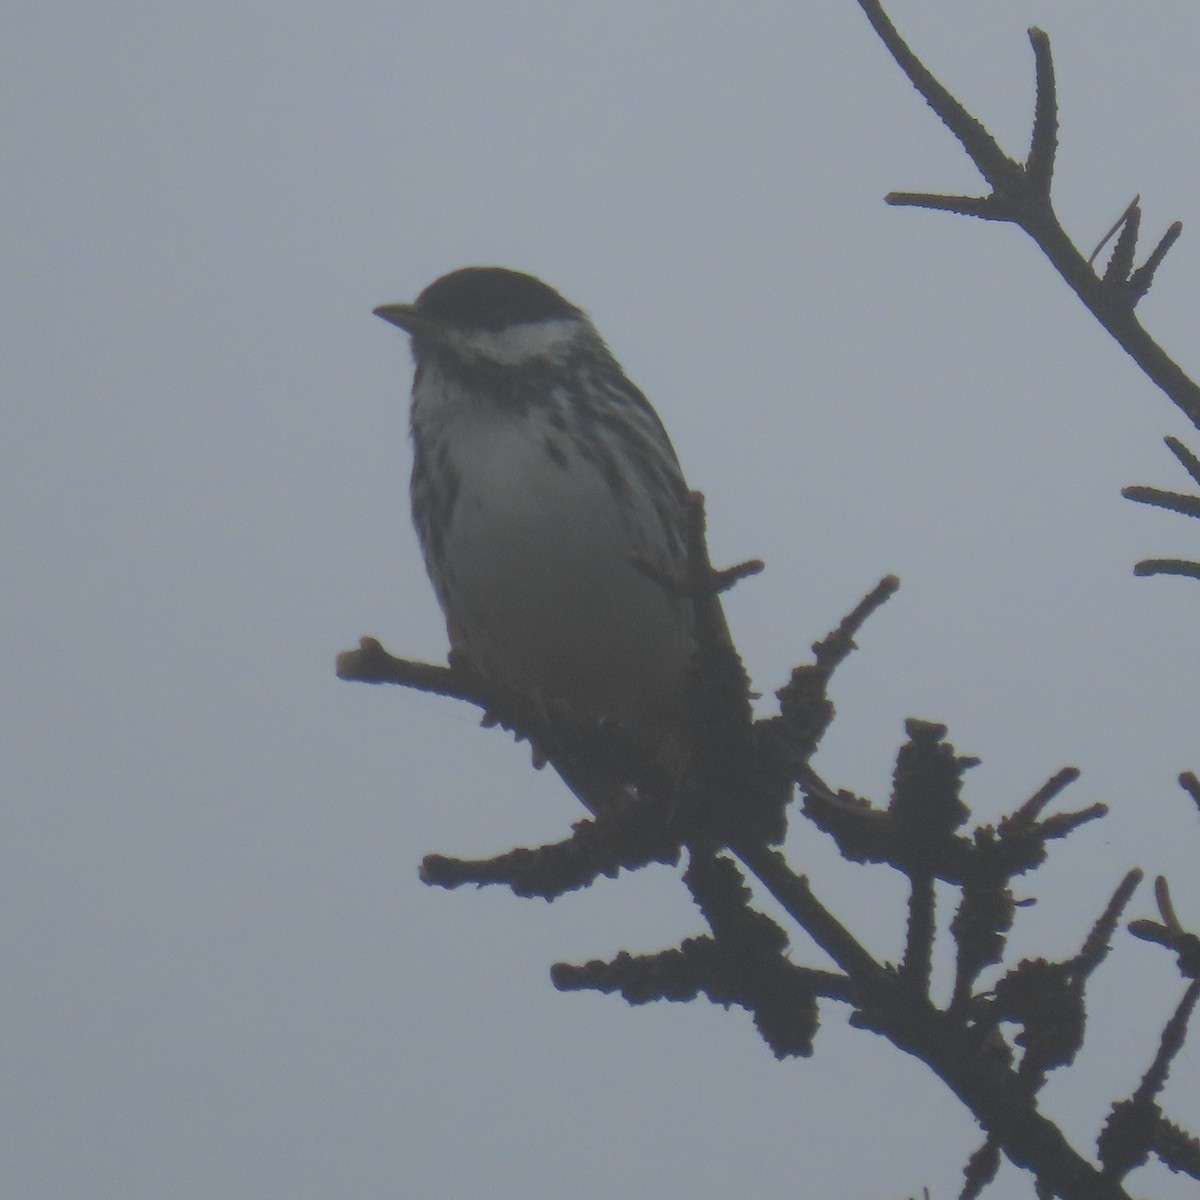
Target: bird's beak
408	317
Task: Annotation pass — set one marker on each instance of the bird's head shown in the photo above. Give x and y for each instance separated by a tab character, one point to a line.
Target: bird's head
492	316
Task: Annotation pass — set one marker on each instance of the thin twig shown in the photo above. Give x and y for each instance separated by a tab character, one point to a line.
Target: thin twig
1043	141
1167	566
1191	464
1132	207
1143	277
792	891
1120	264
371	663
1036	804
1178	502
1191	785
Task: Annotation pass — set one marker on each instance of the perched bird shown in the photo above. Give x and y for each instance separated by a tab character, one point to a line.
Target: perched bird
541	478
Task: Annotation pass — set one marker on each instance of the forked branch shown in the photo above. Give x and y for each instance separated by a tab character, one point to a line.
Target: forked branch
1020	194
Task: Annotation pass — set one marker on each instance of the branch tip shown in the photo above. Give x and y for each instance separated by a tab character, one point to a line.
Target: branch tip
1191	785
1167	566
1189	461
1043	139
1143	277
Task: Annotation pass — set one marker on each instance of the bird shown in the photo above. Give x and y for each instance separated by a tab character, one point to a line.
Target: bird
551	509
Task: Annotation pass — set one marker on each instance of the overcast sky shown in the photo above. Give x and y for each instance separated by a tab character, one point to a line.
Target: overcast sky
223	977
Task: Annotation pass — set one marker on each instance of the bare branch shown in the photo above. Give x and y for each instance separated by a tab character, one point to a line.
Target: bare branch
1177	1148
1176	501
721	581
1120	264
371	663
1022	195
1191	785
917	963
792	891
1167	566
1036	804
984	207
1143	277
1132	1130
1043	142
1097	946
1190	462
992	163
624	839
1170	933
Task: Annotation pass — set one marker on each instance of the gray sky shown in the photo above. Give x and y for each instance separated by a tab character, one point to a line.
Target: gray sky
223	976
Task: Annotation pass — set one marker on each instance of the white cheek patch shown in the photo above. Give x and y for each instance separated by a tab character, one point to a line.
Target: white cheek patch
545	340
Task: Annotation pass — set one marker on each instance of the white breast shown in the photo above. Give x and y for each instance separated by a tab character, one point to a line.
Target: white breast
546	598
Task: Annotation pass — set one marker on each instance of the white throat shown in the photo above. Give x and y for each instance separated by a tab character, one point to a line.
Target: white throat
547	341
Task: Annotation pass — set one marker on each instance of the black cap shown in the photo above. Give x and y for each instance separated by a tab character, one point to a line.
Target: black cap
492	298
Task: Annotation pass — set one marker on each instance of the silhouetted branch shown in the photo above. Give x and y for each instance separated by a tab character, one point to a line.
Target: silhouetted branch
1134	1127
1179	502
1177	1148
786	1018
1127	225
906	840
743	963
917	962
1190	462
371	663
1033	808
980	146
1043	140
745	959
704	581
1167	566
628	838
980	1170
1020	194
1047	998
793	892
805	710
1170	932
1175	501
742	770
1097	946
985	913
1191	785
